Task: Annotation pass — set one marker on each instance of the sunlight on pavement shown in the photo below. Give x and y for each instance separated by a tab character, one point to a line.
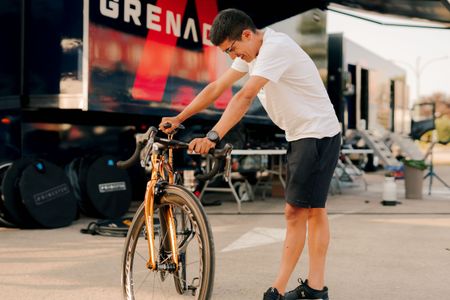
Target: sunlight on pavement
427	222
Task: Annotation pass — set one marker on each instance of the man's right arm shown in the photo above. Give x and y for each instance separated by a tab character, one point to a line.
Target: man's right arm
207	96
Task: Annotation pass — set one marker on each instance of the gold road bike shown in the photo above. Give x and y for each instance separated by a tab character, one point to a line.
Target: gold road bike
169	248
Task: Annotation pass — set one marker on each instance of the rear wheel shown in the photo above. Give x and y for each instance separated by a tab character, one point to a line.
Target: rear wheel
195	274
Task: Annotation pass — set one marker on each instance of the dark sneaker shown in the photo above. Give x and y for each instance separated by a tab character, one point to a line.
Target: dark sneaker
303	291
272	294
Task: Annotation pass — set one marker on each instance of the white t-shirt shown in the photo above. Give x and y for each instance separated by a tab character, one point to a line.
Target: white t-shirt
295	97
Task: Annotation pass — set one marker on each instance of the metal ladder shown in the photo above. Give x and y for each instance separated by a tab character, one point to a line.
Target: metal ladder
407	145
377	144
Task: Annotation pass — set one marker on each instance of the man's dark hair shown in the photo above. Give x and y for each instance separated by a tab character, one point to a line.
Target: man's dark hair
229	24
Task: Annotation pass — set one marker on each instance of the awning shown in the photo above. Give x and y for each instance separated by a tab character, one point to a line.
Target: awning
266	13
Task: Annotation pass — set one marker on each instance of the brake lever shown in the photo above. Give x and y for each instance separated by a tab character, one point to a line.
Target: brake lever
227	169
145	158
173	132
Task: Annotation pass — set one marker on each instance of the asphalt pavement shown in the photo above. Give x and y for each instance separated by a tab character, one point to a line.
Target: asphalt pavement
376	252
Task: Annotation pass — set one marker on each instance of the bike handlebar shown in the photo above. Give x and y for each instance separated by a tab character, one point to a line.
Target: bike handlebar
217	155
147	139
141	141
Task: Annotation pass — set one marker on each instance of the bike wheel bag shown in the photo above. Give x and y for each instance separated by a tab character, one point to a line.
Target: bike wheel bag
47	194
13	209
105	189
5	219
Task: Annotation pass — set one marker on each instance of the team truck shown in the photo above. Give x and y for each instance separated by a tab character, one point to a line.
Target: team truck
80	78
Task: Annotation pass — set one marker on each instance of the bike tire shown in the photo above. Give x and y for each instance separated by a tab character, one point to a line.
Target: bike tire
138	282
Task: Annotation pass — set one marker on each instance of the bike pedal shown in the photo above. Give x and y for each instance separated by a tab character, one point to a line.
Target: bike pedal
193	289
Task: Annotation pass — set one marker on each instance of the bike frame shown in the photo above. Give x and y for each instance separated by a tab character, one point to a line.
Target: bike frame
152	151
159	167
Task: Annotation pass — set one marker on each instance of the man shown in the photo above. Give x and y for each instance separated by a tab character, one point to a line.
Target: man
296	100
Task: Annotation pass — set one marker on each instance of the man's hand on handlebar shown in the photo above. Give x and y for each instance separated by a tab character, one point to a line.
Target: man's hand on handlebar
201	145
173	121
145	143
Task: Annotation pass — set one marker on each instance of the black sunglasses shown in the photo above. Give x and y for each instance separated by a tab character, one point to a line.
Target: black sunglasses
229	49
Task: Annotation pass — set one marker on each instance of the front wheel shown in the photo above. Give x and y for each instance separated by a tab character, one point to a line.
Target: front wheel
195	274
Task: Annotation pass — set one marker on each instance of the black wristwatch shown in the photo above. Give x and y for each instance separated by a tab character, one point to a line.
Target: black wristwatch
213	136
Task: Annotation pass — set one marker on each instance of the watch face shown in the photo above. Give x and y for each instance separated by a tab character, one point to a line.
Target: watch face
213	136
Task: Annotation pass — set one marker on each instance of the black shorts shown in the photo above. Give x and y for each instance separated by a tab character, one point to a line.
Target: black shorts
310	167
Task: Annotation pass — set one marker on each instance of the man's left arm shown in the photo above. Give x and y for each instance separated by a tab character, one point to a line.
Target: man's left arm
239	105
234	112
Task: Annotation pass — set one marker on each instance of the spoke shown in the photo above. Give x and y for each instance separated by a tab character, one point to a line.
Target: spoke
161	288
183	280
165	260
153	291
191	263
189	273
176	276
185	243
142	283
141	256
187	232
163	238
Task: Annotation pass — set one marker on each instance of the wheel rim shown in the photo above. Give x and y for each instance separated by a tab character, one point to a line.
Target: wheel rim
142	283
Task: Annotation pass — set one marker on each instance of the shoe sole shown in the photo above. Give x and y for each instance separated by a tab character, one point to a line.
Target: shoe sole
311	299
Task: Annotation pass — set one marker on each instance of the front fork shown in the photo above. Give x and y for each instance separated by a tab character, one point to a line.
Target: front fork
167	220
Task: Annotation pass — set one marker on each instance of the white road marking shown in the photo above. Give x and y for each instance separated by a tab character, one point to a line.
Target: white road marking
332	217
258	236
